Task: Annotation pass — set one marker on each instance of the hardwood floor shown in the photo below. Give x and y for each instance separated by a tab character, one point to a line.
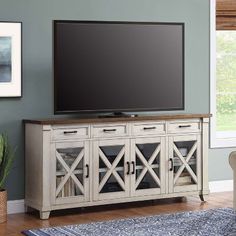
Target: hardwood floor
18	222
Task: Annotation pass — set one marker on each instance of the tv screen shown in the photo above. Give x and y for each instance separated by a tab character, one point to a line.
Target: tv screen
118	66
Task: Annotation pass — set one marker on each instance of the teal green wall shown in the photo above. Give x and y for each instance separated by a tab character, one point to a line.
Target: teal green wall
37	100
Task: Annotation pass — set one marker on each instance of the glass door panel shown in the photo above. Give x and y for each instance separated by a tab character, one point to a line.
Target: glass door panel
185	163
147	161
70	171
111	161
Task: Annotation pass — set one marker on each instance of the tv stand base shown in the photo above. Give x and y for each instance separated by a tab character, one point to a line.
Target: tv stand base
117	115
66	160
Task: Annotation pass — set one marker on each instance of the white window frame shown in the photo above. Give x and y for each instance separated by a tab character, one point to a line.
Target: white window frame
225	138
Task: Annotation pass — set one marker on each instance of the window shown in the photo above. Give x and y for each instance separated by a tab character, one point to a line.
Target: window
223	73
226	80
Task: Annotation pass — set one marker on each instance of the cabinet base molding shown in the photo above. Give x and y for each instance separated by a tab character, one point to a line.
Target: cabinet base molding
46	214
106	161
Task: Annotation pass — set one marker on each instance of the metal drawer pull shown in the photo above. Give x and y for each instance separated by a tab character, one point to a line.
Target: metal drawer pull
148	128
128	171
87	166
171	164
109	130
184	126
71	132
133	172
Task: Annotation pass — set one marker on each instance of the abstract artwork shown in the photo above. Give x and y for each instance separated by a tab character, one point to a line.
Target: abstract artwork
5	59
10	59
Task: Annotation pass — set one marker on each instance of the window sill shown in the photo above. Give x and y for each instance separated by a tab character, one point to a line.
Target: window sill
223	139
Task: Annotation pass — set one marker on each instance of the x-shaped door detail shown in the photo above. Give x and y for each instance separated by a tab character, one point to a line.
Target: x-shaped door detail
111	169
148	166
185	162
69	171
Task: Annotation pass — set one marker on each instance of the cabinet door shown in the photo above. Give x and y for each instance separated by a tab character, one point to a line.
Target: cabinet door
148	166
71	172
184	163
110	169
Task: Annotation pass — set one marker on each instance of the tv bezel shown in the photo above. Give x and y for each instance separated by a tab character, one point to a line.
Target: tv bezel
58	112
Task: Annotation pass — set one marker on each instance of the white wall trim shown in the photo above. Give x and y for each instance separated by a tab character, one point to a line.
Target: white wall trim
18	206
221	186
213	139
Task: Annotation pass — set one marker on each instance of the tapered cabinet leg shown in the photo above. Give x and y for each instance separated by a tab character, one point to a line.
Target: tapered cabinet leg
202	197
44	215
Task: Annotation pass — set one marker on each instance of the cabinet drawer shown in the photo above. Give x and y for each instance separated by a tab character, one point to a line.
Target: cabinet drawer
148	128
184	127
64	133
109	131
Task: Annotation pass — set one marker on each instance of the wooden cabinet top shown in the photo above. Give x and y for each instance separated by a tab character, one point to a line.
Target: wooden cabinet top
94	120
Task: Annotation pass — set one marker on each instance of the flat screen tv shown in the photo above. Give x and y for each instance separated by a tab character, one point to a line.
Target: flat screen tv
118	66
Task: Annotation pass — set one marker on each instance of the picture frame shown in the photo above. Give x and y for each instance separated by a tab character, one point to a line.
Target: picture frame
10	59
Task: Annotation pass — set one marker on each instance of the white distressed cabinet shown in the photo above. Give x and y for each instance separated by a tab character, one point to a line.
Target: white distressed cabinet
86	162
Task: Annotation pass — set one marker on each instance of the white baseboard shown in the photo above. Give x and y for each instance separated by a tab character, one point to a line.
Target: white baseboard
17	206
221	186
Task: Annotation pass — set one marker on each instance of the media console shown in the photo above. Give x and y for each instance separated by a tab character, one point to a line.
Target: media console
86	162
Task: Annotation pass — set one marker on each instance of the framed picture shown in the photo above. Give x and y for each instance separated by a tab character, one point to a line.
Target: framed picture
10	59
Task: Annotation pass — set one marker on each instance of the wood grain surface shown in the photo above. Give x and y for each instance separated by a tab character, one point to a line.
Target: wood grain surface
18	222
